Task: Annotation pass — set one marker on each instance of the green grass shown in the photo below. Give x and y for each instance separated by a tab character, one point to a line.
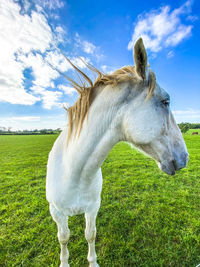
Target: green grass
190	131
146	218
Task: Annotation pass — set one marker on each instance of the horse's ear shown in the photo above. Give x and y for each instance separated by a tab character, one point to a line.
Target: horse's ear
140	57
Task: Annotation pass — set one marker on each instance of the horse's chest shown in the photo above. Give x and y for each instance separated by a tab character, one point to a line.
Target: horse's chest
80	203
77	198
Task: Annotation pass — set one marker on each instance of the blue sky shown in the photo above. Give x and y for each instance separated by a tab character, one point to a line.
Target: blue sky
102	33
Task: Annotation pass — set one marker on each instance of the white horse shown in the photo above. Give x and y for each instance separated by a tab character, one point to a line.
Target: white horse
127	105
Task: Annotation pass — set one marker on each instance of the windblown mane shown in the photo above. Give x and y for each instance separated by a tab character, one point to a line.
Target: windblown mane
79	111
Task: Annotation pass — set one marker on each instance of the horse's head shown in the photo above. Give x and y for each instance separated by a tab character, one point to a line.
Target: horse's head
148	122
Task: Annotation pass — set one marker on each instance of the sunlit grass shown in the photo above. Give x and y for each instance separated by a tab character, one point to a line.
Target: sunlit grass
146	218
190	131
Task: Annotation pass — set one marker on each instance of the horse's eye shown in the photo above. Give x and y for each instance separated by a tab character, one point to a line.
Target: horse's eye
165	102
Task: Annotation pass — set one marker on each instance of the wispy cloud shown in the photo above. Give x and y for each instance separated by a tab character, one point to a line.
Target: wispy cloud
163	27
88	47
51	98
192	18
67	89
108	69
33	122
189	115
170	54
24	118
50	4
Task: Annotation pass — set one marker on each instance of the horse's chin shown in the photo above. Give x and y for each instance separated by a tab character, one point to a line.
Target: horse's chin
167	167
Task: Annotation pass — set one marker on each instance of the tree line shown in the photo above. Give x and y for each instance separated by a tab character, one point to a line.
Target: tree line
8	131
185	126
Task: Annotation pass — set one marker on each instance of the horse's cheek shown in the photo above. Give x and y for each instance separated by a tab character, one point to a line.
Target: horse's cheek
145	126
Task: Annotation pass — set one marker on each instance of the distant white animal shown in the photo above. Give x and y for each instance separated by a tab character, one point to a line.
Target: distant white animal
127	105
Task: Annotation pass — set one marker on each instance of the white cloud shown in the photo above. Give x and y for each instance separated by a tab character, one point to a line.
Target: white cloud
33	122
170	54
79	61
19	33
189	115
26	6
188	112
162	28
15	94
108	69
51	98
42	72
24	42
181	33
50	4
24	118
60	34
88	47
104	68
41	66
192	18
67	89
58	61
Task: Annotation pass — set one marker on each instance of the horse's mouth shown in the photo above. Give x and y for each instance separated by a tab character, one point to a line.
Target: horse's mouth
168	167
171	166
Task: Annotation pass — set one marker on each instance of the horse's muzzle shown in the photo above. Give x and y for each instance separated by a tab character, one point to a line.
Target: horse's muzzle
170	167
181	162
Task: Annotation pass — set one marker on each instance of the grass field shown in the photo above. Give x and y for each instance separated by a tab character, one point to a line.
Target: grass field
146	218
190	131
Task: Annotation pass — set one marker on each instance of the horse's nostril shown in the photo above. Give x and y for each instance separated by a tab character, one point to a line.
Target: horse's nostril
181	161
174	164
185	158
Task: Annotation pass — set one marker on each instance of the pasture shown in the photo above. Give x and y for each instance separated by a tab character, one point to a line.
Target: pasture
190	131
146	217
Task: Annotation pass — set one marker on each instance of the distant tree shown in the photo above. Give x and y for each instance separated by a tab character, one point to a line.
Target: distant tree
195	126
7	131
184	126
2	129
43	131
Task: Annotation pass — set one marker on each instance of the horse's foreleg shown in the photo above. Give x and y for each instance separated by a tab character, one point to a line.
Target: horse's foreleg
90	235
63	234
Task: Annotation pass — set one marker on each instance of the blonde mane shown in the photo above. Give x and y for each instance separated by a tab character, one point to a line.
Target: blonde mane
79	111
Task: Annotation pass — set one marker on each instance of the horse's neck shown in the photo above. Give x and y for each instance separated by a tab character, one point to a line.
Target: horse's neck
100	132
